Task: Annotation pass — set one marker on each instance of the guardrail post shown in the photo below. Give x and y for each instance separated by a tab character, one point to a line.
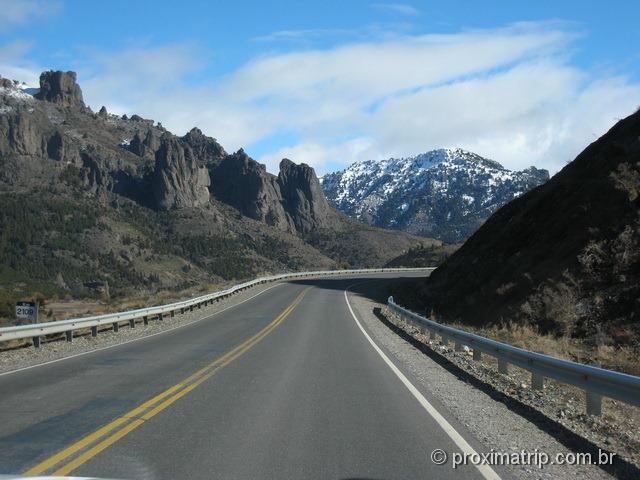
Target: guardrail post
94	331
116	327
191	308
537	381
69	335
173	313
182	311
445	341
594	403
160	317
503	366
459	346
132	323
145	320
477	355
36	342
432	335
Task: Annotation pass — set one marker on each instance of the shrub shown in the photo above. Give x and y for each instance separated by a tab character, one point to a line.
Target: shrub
554	306
627	179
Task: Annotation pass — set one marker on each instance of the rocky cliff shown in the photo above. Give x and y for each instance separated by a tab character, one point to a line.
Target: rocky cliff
60	88
245	184
303	198
205	148
293	201
136	158
178	180
88	197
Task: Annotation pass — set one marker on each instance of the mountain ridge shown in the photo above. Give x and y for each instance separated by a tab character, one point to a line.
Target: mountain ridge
90	197
445	193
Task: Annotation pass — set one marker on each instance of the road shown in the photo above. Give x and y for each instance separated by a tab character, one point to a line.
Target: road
284	385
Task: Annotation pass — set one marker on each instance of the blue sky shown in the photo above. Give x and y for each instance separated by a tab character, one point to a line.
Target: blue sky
330	82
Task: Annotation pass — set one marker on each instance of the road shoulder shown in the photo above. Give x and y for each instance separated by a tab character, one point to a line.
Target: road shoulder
491	421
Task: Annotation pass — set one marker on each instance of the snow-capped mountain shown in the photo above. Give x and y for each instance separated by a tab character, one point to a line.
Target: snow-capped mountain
445	194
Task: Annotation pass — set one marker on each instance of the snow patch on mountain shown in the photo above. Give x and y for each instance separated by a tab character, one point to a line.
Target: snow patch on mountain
446	193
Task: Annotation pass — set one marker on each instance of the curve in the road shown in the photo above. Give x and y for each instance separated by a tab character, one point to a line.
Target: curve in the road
308	399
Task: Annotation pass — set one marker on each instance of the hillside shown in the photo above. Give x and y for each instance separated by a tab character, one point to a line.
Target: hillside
94	204
563	258
444	194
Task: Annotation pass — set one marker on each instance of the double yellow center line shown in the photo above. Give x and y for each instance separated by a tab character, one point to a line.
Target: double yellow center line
65	461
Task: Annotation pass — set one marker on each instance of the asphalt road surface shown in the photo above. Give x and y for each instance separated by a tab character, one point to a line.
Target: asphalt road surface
285	385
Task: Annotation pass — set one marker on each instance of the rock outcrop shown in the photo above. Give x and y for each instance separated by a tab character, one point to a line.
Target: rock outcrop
293	201
137	145
152	166
62	149
145	143
303	198
178	180
240	181
60	88
206	149
23	135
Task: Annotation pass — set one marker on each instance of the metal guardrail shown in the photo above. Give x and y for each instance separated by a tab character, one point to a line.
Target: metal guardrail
37	330
596	382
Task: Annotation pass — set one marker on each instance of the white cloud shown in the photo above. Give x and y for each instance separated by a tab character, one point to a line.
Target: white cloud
511	94
312	153
15	12
368	71
402	8
281	35
537	113
12	65
138	76
319	155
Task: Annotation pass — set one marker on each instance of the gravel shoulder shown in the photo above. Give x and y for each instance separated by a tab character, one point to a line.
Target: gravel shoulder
501	411
83	342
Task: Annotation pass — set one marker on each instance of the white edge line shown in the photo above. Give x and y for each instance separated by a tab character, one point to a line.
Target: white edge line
486	471
138	338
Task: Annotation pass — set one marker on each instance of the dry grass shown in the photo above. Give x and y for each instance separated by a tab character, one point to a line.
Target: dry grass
57	309
623	359
63	309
